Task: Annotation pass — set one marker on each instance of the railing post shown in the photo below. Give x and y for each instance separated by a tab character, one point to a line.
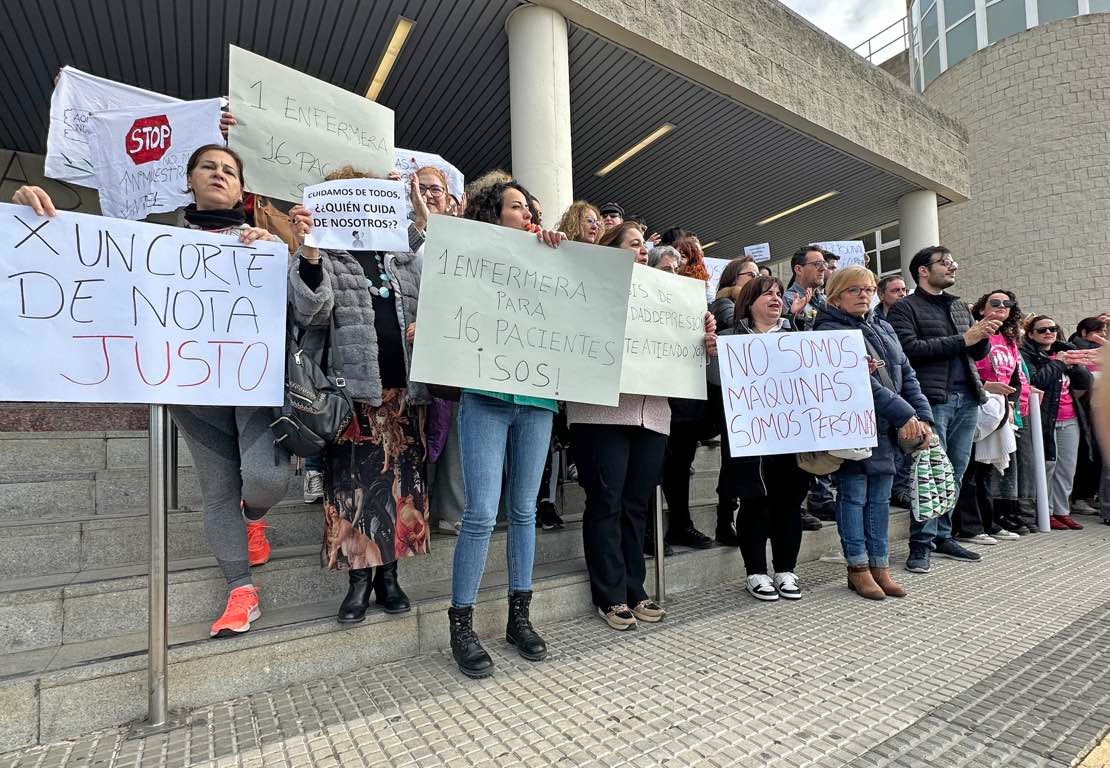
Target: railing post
660	543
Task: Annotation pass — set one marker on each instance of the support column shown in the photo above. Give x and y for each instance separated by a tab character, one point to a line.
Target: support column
917	226
539	107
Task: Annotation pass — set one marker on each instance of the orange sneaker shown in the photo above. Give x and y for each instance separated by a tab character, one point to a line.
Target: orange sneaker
242	609
258	548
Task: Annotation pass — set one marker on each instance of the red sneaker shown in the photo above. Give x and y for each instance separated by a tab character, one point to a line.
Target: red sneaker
242	609
1068	522
1056	523
258	548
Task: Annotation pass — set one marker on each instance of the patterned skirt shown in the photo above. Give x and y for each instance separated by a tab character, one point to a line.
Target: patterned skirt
375	491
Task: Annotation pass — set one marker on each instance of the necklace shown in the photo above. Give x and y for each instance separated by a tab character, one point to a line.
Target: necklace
383	289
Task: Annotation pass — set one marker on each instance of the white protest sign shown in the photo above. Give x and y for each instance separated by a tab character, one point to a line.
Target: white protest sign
358	215
759	252
99	310
850	251
664	342
791	392
76	95
407	162
292	130
715	267
141	153
501	311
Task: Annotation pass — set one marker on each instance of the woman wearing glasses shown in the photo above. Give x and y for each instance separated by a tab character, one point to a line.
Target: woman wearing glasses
1055	367
581	223
901	412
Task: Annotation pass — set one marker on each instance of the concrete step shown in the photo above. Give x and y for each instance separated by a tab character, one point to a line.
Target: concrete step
76	687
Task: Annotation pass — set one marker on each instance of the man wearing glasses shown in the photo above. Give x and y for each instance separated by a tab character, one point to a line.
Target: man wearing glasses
892	289
941	341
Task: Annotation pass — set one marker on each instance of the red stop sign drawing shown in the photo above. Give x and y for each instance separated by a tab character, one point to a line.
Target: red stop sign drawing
147	139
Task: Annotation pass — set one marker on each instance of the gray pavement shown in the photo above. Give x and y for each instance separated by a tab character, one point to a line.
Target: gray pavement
1001	663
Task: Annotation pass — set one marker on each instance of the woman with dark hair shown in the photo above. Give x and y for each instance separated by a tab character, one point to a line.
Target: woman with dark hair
1057	369
1090	334
375	487
232	447
629	236
770	488
734	277
491	424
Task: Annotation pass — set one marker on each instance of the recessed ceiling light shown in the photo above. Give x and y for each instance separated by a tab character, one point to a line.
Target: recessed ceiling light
392	50
638	147
796	208
708	245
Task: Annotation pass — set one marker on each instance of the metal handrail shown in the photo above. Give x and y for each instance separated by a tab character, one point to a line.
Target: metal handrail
872	52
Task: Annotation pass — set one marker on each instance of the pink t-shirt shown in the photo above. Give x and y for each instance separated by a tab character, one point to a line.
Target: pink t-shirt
999	365
1066	411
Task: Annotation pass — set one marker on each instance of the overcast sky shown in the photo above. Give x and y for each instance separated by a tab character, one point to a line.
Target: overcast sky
850	21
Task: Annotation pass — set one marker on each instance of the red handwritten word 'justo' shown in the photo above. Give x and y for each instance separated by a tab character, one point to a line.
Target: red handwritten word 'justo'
192	364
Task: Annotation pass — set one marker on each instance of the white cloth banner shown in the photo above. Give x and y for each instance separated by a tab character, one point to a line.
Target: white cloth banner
792	392
850	251
760	252
292	130
407	162
141	153
358	215
100	310
76	95
664	342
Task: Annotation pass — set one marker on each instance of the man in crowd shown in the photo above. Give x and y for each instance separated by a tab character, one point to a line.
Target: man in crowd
612	215
941	341
892	289
832	261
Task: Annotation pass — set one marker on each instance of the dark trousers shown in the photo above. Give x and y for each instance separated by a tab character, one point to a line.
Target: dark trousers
618	467
974	512
777	518
682	444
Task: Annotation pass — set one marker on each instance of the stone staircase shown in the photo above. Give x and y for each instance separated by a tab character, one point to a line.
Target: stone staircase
73	589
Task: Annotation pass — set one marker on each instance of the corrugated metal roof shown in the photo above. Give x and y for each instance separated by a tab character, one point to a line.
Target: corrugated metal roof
721	170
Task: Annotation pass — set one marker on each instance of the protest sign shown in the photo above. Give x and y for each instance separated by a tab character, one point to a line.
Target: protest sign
292	130
849	251
791	392
664	342
99	310
358	215
76	95
759	252
715	267
407	162
141	153
501	311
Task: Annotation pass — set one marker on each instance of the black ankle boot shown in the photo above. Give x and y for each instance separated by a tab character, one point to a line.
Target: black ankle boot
469	654
387	590
519	630
353	608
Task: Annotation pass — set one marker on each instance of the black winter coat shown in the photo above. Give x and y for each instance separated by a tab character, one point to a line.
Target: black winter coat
893	408
1047	375
931	330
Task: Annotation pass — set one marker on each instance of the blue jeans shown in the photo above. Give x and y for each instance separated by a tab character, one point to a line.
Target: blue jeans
488	429
862	514
954	423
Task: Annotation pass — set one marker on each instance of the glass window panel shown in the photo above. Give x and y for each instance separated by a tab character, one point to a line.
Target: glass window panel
929	27
961	42
931	65
1051	10
868	241
954	10
1005	18
891	259
890	234
1100	6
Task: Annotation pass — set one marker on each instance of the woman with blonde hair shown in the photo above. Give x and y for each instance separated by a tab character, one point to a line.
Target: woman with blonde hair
581	223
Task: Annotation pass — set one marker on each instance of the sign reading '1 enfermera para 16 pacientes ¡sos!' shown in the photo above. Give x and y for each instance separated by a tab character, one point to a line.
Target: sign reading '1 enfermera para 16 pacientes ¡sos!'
99	310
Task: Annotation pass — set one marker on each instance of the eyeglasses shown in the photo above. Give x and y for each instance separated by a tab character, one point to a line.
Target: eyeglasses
901	290
1047	329
749	275
999	303
946	262
432	189
821	265
592	222
856	290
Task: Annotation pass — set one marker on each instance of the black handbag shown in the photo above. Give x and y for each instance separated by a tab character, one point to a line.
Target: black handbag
317	407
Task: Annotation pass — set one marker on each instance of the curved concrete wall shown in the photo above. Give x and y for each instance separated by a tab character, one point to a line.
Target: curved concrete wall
1037	110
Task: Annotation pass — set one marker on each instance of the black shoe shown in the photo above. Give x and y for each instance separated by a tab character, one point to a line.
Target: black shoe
388	592
547	517
726	535
901	501
649	547
690	537
519	630
810	522
469	654
353	608
953	551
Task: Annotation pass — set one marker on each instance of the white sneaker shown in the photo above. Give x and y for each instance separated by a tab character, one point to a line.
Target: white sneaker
786	584
313	486
981	538
1003	534
761	588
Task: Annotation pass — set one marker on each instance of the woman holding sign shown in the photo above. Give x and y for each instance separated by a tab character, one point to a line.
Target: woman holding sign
901	412
233	450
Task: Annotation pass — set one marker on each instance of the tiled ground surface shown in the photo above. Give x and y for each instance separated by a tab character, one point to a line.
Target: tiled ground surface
1002	663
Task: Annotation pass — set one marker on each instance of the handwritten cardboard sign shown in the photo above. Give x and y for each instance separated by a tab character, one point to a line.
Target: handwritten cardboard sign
76	96
141	154
292	129
791	392
100	310
664	343
850	251
358	215
501	311
715	267
759	252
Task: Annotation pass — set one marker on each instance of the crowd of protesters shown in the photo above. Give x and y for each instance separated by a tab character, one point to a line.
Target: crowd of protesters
939	367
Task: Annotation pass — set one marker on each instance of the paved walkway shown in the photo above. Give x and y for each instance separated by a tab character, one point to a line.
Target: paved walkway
1002	663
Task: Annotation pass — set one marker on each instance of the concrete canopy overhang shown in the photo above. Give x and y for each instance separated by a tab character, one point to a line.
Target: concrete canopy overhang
768	110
